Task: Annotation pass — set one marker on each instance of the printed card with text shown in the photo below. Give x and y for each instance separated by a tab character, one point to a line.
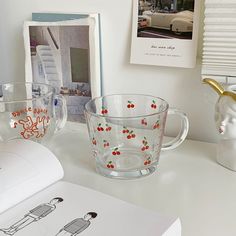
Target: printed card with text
165	33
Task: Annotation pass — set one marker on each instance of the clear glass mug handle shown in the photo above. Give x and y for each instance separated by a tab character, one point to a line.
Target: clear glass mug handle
60	111
175	142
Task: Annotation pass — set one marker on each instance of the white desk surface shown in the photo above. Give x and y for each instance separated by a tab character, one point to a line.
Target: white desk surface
189	182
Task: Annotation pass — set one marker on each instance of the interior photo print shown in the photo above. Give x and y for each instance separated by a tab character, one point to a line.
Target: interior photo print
165	19
60	57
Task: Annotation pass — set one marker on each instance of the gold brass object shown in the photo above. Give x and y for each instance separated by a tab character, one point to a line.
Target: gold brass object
218	88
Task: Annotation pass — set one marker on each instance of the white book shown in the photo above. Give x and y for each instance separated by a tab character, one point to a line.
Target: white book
85	211
35	202
26	168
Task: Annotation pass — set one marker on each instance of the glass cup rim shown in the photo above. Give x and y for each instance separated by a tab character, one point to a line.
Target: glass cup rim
125	117
49	93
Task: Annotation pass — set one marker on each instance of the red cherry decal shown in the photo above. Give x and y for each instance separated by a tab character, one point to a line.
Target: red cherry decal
145	146
144	122
104	110
156	125
94	142
125	130
108	128
130	104
153	105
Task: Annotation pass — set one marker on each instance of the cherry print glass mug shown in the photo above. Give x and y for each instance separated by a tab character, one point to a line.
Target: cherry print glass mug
126	133
30	111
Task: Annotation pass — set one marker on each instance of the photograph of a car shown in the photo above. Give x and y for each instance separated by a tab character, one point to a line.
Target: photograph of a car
180	22
166	19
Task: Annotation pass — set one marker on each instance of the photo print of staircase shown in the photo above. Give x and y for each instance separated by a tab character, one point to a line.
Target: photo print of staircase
60	57
48	65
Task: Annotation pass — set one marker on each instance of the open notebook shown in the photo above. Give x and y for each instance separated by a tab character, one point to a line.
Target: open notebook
63	208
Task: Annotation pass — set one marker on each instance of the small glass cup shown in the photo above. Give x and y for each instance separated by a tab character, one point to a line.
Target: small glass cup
30	111
126	132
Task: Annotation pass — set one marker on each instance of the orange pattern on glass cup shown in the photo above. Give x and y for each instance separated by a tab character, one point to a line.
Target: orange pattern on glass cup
30	128
29	109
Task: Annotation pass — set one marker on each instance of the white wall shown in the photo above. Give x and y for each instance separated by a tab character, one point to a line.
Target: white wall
182	88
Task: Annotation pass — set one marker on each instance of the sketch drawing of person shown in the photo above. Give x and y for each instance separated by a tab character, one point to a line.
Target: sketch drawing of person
78	225
33	215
